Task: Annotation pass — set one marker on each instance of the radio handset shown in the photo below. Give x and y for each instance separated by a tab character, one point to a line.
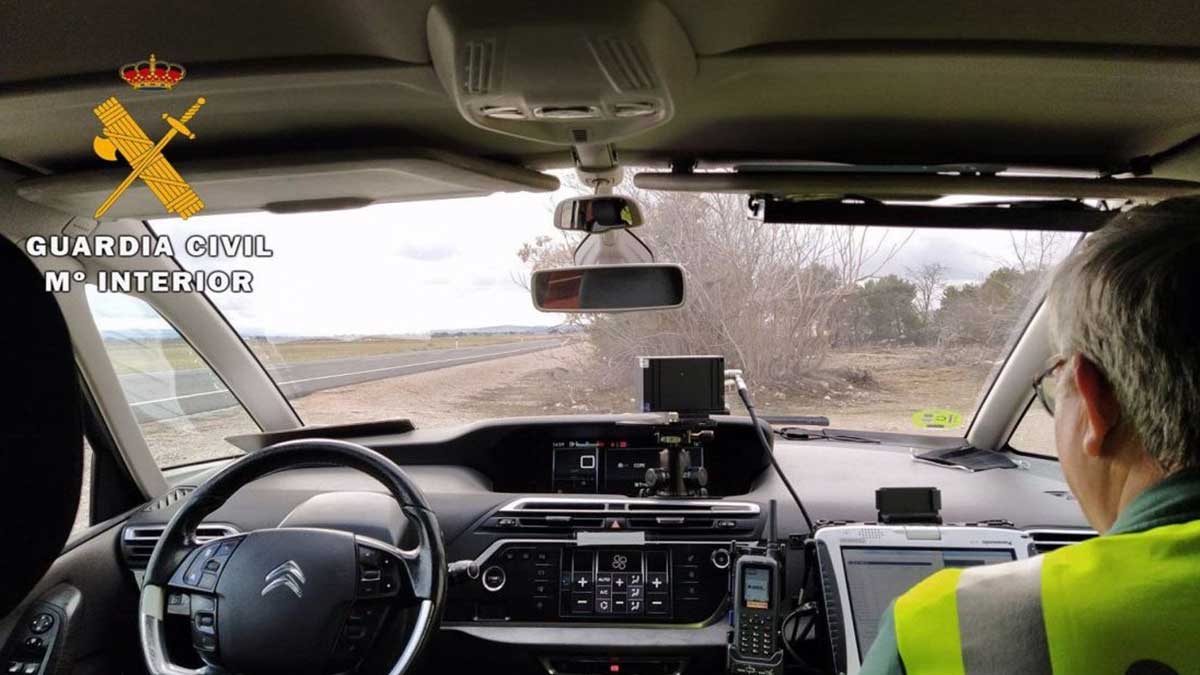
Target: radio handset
757	601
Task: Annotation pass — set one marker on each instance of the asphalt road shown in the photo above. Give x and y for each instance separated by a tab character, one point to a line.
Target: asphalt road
195	391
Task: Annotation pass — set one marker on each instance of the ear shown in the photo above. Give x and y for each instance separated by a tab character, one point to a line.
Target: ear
1100	409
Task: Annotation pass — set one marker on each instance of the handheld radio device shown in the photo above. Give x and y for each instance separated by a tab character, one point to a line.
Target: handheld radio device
757	604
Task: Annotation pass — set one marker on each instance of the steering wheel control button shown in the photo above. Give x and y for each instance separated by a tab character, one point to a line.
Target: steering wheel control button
494	578
369	556
41	623
720	558
205	643
378	572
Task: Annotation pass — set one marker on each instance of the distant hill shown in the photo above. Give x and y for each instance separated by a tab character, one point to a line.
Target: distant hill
508	330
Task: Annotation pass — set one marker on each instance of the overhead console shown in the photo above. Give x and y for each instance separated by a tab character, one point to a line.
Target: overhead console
564	73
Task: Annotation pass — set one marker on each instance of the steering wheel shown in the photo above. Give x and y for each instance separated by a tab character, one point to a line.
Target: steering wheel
304	601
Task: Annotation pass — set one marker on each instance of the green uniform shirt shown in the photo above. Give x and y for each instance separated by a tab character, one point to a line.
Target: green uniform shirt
1174	500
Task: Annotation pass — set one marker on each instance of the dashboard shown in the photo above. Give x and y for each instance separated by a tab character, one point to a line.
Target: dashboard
573	564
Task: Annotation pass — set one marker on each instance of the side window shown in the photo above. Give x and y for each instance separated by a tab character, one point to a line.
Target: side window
1035	433
184	409
83	514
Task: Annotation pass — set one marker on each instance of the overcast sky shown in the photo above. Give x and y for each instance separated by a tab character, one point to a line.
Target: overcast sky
415	267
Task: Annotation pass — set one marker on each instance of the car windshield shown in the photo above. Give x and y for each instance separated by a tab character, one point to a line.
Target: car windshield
422	311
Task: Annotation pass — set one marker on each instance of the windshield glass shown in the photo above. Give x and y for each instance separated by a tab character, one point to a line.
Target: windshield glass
422	311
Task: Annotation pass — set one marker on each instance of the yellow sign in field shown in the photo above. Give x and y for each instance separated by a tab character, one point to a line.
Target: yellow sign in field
936	418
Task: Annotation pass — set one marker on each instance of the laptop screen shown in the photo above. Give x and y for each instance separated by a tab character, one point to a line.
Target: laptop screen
877	576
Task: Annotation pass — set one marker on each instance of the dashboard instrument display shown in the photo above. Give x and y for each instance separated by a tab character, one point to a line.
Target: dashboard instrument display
606	466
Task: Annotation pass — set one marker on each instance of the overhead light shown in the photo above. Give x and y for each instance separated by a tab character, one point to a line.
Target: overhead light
567	112
502	112
634	109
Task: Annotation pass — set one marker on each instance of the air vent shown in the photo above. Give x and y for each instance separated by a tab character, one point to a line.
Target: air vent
478	63
502	112
1046	540
622	64
627	110
170	498
138	542
664	518
566	113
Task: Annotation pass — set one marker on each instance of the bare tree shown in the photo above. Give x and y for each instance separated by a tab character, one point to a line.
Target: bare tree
1037	251
763	295
929	279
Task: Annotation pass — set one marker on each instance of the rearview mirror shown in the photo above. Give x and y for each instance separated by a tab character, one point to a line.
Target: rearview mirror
597	213
608	288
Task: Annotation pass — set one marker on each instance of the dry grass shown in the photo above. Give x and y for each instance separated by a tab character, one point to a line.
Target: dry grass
161	355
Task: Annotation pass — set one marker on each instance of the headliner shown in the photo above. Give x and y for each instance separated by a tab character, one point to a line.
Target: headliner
1089	85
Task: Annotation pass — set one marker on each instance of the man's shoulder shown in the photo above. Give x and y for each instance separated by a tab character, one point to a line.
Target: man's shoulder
947	585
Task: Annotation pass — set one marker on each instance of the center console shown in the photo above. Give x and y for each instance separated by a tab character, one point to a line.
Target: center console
546	581
626	561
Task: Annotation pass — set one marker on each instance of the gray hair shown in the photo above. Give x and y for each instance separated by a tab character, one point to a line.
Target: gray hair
1127	298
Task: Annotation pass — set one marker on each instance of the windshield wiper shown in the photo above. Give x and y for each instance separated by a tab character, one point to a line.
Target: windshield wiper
801	434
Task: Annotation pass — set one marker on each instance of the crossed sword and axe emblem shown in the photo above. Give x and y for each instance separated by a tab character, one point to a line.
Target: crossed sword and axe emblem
123	135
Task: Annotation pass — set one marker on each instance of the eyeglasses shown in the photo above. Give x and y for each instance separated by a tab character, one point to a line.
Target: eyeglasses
1044	395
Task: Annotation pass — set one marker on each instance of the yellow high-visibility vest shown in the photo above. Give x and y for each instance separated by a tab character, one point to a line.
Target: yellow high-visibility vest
1125	604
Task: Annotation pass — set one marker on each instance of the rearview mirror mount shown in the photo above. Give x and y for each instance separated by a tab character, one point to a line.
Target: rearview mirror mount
597	213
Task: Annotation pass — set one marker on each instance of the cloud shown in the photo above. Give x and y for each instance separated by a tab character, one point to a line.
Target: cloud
429	250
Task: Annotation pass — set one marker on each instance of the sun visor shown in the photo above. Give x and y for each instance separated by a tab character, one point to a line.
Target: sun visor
295	182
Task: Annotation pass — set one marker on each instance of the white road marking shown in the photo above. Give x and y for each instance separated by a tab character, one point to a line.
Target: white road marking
350	374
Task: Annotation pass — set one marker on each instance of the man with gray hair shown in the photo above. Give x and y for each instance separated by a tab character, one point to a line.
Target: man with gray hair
1124	390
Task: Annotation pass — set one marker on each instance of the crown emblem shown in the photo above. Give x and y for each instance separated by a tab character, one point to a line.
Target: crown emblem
152	74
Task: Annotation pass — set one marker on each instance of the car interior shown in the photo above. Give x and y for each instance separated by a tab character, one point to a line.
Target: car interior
707	526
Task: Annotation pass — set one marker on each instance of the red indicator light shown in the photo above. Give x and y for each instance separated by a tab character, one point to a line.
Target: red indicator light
614	667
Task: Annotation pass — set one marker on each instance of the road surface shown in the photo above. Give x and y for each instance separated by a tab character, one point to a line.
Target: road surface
195	391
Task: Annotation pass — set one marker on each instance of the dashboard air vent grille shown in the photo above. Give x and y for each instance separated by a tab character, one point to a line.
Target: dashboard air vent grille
696	518
138	542
1046	540
170	498
623	64
478	64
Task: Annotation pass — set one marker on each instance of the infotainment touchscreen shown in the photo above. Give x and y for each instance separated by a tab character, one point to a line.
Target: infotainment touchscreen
625	469
612	466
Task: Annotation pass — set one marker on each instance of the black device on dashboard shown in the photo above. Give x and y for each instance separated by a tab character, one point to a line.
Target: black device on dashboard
693	386
756	648
897	505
